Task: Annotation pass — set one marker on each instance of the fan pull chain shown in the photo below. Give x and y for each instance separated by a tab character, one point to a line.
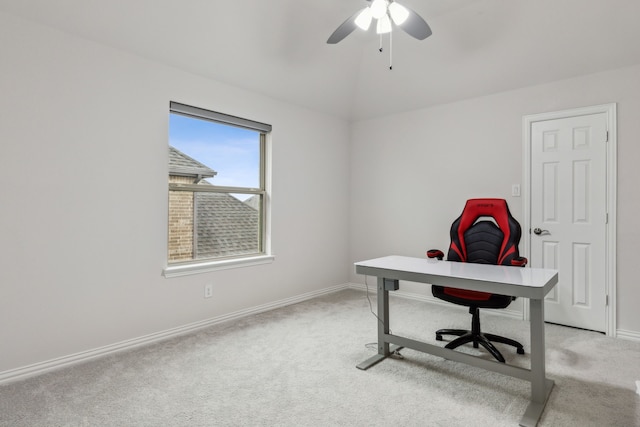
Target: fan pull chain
391	50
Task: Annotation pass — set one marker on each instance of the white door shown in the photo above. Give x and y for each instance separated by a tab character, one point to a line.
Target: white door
569	216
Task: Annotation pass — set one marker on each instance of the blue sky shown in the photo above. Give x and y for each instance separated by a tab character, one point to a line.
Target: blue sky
231	151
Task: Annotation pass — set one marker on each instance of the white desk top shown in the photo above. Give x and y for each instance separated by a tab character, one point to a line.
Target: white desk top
517	281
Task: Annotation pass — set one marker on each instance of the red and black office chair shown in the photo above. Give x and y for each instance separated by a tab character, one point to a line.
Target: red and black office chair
484	233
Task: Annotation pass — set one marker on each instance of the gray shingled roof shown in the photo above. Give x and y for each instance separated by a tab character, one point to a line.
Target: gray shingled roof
182	165
225	226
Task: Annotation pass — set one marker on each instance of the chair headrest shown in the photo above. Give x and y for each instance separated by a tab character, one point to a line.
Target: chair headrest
493	208
476	208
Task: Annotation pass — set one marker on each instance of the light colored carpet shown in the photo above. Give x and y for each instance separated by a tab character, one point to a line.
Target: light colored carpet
295	366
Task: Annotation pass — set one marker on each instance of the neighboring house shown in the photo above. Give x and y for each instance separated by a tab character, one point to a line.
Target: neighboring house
207	225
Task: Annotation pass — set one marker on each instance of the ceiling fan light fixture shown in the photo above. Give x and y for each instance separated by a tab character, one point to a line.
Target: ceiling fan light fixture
378	8
384	25
398	13
363	20
387	13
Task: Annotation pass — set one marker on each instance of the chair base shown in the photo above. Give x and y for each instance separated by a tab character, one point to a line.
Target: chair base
478	338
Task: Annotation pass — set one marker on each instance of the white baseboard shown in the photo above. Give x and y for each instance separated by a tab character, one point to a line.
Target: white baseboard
628	335
61	362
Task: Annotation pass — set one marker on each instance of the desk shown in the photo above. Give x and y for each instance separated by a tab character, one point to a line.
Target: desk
532	283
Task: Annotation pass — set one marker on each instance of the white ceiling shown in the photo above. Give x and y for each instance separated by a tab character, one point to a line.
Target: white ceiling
277	47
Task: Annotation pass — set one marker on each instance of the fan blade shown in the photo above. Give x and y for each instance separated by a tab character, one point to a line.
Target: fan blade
415	26
344	29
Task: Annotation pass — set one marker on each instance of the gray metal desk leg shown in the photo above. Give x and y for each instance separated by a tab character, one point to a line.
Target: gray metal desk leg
540	385
383	326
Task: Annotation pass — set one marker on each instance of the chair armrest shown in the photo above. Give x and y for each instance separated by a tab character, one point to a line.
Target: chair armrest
519	262
435	253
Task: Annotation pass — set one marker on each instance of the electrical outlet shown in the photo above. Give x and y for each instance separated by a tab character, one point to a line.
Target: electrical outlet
208	291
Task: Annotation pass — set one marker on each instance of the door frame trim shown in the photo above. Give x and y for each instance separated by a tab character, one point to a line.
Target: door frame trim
611	186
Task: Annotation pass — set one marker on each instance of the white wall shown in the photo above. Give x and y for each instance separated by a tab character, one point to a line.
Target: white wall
412	172
83	216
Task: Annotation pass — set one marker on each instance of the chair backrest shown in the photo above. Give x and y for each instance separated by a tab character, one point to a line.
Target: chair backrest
485	233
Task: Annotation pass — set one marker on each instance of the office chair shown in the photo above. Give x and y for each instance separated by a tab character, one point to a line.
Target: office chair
484	233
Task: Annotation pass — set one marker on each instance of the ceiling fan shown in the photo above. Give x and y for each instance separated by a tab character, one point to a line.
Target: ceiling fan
385	12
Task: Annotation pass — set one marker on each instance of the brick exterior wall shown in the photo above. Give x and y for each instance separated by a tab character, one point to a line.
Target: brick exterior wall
180	221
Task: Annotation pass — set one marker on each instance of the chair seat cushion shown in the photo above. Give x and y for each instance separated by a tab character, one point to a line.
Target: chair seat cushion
466	294
471	298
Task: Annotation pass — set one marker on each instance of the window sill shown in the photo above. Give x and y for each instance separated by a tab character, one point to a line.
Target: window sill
208	266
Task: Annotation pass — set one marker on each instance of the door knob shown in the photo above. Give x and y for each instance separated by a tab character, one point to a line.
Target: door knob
538	231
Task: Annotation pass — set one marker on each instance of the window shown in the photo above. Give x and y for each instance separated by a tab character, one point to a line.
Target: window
217	191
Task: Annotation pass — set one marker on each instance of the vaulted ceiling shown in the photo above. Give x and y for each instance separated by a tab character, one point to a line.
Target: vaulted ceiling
277	47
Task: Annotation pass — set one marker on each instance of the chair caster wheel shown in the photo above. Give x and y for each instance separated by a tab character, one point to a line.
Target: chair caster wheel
520	350
438	337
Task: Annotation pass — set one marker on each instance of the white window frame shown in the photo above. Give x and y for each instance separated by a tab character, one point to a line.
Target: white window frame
265	256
